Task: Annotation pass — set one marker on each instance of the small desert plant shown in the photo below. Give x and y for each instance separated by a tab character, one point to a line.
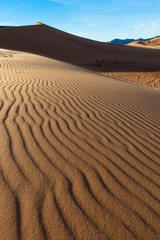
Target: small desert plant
99	64
134	62
116	61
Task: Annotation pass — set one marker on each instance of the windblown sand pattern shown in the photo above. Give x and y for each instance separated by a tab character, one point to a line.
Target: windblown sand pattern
79	153
149	79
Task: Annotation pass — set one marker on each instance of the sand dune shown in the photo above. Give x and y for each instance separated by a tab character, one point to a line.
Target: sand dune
48	41
79	153
153	43
138	65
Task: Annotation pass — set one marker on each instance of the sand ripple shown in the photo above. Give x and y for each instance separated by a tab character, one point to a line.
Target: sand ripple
79	153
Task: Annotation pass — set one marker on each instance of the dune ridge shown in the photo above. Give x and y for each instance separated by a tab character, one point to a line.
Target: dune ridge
79	153
129	63
47	41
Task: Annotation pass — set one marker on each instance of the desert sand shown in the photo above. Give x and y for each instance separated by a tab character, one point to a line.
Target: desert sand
79	153
137	73
142	77
153	43
139	65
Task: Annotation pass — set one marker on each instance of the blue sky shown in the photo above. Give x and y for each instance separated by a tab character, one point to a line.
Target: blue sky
101	20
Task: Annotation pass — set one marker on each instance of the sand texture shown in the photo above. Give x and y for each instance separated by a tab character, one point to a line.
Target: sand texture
139	65
79	153
145	78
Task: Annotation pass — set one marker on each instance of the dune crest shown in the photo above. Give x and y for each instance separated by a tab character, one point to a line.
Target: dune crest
56	44
39	23
101	57
79	153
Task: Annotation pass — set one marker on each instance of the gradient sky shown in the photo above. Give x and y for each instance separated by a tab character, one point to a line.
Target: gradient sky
101	20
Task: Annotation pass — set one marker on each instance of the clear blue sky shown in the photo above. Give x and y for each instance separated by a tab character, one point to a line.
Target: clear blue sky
101	20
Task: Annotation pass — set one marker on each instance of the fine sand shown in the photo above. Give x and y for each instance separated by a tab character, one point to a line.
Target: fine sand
145	78
79	153
135	64
137	73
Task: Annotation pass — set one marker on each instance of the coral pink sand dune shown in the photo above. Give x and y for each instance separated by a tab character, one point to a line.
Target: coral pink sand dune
79	153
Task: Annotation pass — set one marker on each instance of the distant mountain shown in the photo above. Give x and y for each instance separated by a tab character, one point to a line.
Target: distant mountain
122	41
4	26
128	40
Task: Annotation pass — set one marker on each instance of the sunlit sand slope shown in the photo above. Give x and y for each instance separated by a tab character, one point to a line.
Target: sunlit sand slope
79	153
153	43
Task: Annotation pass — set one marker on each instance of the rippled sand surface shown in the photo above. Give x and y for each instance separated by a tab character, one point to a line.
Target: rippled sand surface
79	153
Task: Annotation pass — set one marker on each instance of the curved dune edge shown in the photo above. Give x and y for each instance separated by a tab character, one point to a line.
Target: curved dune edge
79	153
137	44
39	23
135	64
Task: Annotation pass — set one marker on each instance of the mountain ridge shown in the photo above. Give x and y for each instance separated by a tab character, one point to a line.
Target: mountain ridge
129	40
